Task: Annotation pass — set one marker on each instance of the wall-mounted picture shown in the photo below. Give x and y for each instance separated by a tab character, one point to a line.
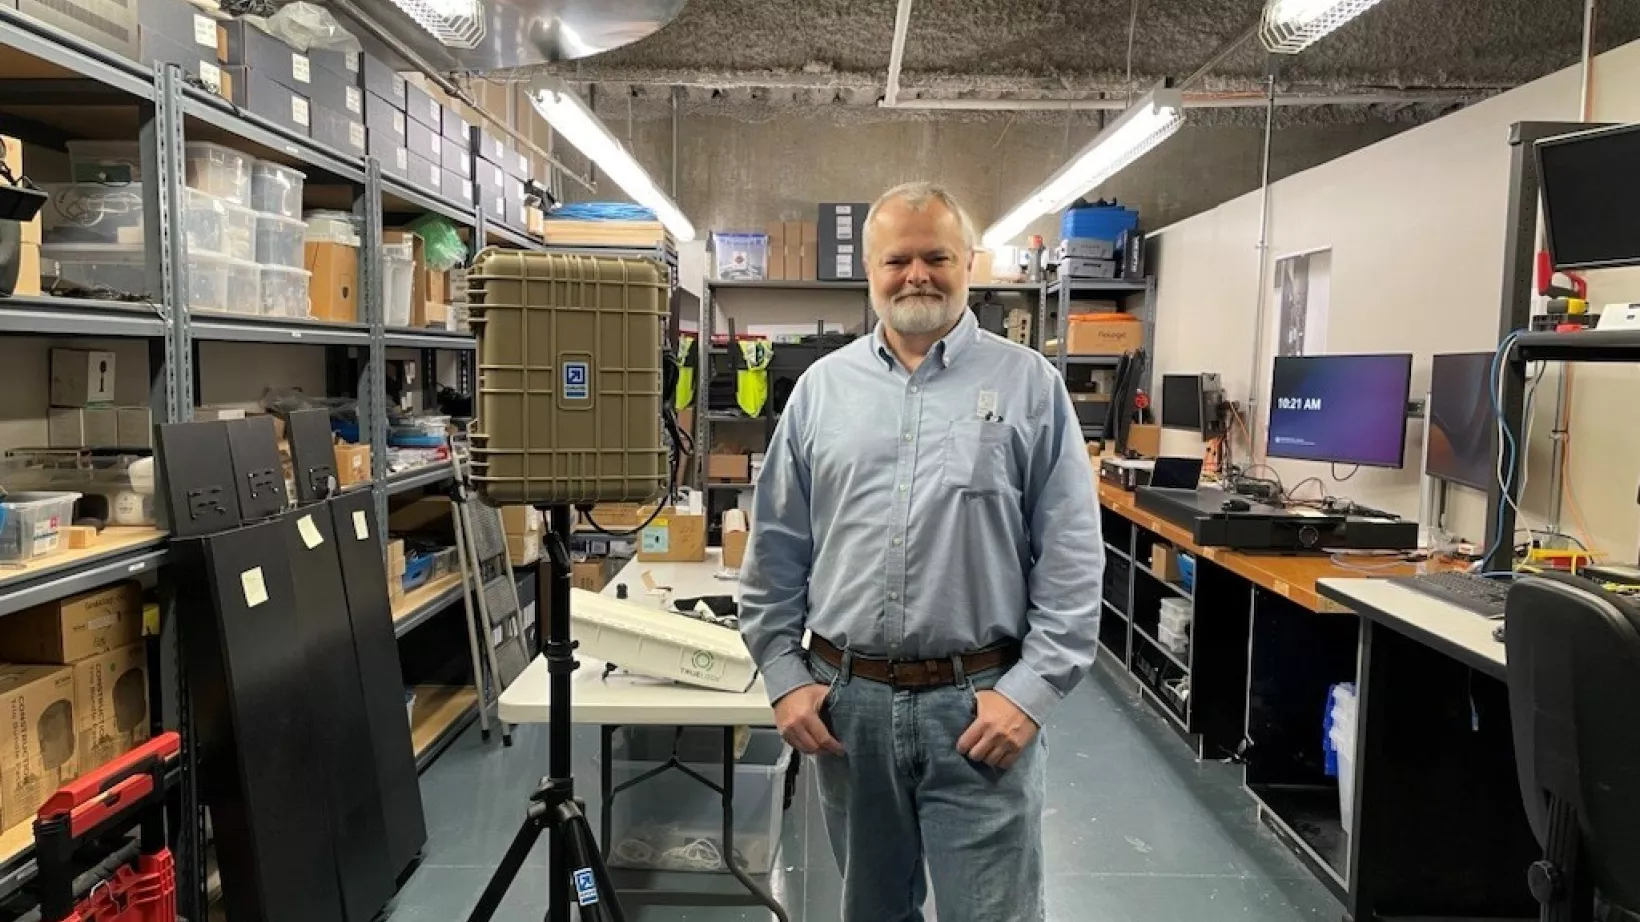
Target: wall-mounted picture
1303	286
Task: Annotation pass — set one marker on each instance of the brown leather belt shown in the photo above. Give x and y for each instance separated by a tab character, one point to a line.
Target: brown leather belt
915	674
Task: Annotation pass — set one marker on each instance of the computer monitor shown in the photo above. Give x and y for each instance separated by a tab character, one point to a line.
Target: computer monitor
1346	409
1590	197
1182	402
1124	394
1463	432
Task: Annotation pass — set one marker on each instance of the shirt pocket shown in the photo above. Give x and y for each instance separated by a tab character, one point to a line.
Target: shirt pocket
976	457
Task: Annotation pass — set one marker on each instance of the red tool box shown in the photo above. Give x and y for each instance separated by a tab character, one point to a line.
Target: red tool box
137	883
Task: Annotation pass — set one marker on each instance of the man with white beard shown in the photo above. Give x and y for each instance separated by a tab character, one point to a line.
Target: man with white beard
926	513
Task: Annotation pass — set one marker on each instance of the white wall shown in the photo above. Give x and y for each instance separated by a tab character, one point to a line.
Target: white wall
1416	228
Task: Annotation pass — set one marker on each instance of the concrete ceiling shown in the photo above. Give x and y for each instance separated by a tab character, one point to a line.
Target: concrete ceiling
836	52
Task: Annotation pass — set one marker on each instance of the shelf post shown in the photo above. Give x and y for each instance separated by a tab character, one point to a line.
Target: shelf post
367	208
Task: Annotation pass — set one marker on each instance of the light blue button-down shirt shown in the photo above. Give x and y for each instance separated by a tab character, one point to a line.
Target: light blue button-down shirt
925	514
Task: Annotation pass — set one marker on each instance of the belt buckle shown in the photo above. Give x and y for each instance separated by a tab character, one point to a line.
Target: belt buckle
904	673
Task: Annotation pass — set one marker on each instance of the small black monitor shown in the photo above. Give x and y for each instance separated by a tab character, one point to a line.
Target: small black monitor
1182	402
1463	432
1345	409
1591	197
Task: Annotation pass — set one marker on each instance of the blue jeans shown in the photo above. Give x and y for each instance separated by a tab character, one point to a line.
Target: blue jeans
902	796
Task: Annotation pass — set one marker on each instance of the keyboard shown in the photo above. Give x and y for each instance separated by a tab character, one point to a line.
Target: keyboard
1479	594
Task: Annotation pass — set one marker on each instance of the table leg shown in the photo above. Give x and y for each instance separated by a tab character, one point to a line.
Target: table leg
606	787
729	830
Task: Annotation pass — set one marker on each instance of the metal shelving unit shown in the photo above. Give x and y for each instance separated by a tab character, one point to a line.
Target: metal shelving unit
55	87
1057	297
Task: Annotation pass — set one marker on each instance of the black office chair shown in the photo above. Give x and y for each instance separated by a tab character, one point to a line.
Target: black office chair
1574	680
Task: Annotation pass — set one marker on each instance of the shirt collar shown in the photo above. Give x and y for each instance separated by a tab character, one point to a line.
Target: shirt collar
946	351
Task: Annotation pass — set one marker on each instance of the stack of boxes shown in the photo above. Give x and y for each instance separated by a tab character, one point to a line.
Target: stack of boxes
841	241
829	250
524	527
793	250
1101	242
73	691
83	414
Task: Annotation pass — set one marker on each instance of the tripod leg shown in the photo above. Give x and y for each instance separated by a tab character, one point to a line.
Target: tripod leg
729	831
507	870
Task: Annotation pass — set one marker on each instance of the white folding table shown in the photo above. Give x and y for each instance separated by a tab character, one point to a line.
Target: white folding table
617	700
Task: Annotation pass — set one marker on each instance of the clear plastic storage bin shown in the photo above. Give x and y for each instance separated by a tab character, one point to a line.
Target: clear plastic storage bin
238	232
277	189
219	171
285	292
398	277
33	523
105	161
1176	642
279	240
110	268
332	227
1176	615
673	822
217	283
92	212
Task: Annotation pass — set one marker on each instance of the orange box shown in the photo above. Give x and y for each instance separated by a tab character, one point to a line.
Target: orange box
334	289
1103	334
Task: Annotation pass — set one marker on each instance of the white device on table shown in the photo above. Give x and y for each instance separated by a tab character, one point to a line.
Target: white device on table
1619	317
660	643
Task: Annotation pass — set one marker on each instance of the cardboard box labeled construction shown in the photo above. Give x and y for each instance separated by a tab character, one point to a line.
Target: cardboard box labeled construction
1103	334
37	750
673	536
72	629
111	704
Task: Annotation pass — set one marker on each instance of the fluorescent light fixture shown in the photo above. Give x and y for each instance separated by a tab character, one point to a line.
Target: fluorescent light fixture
455	23
1143	126
570	117
1290	26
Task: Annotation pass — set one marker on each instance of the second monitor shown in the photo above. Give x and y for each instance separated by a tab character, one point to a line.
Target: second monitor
1344	409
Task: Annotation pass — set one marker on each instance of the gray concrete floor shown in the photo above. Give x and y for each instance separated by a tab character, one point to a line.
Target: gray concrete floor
1136	830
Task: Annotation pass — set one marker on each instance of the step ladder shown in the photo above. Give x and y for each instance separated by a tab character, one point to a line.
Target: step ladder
495	625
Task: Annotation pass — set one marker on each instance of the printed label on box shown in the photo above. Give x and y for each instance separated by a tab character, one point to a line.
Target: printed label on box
355	100
355	135
657	538
211	76
398	85
299	68
309	532
403	158
254	586
575	381
299	111
350	60
204	31
845	227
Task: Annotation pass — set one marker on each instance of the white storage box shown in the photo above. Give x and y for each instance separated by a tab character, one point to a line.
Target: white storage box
398	283
106	269
285	292
220	171
33	523
332	227
1176	615
665	645
673	822
238	232
1176	641
277	189
279	240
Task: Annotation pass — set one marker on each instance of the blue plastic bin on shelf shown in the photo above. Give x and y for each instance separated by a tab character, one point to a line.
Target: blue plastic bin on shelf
1187	572
416	571
1105	223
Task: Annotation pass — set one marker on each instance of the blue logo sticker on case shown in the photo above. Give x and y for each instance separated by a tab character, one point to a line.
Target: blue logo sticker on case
576	375
586	887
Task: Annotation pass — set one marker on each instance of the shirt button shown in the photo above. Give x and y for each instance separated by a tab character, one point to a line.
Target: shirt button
893	595
908	436
915	389
902	488
898	540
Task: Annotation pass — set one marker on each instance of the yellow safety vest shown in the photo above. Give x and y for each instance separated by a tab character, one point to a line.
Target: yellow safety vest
752	381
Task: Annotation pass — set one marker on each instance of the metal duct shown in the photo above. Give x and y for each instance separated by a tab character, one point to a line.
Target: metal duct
516	33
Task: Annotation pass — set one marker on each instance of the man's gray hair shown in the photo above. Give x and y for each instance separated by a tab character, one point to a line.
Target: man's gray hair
918	195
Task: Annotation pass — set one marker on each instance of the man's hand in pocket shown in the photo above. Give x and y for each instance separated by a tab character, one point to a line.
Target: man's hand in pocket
797	716
999	733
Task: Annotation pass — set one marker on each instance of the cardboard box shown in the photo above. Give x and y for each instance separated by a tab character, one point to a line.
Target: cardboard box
338	130
381	80
37	750
491	179
337	94
344	64
333	291
455	157
591	575
158	48
28	266
422	107
1103	334
176	23
980	271
521	520
809	252
1164	562
425	175
385	121
841	254
489	147
615	517
777	252
352	464
395	558
455	187
242	44
82	378
83	427
136	427
735	532
456	127
257	94
1145	439
672	537
724	467
71	629
524	549
424	142
217	414
111	704
436	316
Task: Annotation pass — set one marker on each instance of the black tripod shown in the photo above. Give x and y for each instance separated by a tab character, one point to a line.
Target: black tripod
574	864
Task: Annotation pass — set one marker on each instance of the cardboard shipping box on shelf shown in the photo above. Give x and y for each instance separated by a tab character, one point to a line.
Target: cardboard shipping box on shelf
71	629
736	531
729	467
523	527
333	291
1103	334
111	704
1145	440
591	574
28	272
395	570
37	748
776	270
352	464
82	377
675	536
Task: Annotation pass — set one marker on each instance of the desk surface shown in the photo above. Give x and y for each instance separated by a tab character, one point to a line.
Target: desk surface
1291	575
1455	631
638	700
